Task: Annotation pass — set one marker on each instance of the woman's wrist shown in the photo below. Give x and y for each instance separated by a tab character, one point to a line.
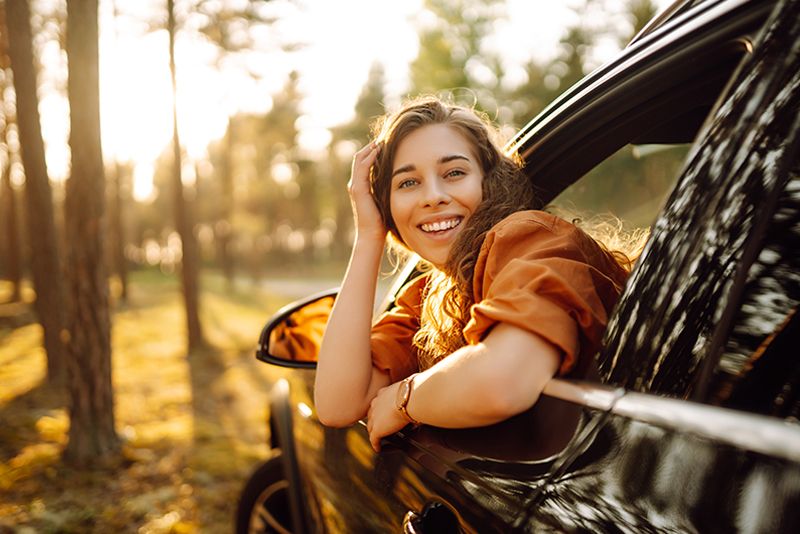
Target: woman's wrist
413	405
369	243
374	235
404	391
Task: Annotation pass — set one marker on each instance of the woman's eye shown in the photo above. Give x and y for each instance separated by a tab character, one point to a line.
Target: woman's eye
455	173
406	183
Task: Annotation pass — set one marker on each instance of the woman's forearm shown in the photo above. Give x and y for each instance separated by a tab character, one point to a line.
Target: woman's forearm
486	383
344	383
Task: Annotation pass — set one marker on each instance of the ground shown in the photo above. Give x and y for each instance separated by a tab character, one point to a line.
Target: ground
193	427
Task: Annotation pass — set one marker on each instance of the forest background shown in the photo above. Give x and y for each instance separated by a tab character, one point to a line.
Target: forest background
132	291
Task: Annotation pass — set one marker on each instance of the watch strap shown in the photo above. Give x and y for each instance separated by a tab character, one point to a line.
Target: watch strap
402	407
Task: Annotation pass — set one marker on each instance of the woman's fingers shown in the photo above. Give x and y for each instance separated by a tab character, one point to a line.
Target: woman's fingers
374	441
369	151
362	162
365	150
367	217
383	417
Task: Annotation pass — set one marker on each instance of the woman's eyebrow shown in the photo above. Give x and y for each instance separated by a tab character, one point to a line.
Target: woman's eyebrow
405	168
451	157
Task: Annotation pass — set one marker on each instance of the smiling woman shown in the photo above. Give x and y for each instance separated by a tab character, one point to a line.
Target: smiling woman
436	186
514	297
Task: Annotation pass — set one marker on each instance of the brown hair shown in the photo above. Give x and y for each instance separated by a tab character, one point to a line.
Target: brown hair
506	190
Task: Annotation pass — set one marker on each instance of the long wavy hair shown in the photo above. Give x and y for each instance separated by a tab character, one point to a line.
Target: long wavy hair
506	190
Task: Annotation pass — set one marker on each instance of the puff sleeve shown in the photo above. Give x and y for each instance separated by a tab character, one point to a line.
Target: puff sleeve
543	274
393	333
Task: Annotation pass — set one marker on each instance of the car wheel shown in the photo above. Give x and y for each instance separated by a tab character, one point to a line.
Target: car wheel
264	504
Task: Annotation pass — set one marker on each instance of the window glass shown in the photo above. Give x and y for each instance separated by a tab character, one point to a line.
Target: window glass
759	370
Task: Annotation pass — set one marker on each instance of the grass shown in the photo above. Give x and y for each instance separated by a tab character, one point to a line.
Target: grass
193	427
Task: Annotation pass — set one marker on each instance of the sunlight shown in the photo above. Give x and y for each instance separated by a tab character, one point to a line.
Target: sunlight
135	85
336	63
143	190
201	119
136	97
54	118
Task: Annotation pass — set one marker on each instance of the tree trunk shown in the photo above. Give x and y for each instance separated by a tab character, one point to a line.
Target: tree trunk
118	232
225	206
8	207
47	277
183	219
8	201
117	201
91	433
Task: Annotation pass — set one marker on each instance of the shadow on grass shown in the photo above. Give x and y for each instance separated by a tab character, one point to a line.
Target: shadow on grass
19	418
193	427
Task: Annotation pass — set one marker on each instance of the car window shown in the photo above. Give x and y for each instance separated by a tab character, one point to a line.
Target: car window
631	185
759	370
721	247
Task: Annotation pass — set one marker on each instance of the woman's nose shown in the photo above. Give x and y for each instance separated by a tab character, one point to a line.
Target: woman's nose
434	193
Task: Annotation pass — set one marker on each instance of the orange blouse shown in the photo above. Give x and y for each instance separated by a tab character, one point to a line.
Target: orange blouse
535	271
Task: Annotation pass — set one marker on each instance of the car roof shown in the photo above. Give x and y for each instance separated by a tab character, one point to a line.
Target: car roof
666	14
658	90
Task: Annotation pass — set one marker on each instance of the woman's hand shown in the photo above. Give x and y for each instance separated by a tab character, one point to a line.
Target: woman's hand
478	385
368	220
384	418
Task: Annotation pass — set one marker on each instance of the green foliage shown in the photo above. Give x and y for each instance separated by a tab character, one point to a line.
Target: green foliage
646	175
453	56
639	12
369	106
226	24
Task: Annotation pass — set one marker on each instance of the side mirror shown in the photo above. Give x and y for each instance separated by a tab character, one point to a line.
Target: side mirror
292	337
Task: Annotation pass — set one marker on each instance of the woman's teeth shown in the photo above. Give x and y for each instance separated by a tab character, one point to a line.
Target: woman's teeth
440	226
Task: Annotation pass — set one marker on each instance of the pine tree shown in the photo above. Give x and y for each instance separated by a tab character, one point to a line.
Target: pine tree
91	432
45	254
452	56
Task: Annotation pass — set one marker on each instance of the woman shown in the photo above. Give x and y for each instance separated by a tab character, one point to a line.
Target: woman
515	296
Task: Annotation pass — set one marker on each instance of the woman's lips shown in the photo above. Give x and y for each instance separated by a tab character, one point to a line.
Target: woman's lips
440	226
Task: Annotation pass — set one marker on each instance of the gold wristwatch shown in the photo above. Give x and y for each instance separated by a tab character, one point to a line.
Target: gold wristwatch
403	395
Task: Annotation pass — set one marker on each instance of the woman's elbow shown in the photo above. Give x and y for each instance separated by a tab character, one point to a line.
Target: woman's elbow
333	420
503	403
521	365
508	395
336	416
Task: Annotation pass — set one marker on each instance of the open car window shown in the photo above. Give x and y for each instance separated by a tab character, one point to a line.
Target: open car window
631	185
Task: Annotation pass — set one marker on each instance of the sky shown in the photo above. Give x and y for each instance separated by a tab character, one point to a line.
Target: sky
342	38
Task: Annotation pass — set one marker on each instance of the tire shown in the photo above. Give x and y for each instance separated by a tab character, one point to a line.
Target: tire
264	504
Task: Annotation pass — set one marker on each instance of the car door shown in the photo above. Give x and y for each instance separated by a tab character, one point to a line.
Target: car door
707	331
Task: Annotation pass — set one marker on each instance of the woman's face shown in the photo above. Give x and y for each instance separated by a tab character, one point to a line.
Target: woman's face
436	186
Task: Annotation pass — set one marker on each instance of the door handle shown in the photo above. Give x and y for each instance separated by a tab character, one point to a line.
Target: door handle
436	518
409	522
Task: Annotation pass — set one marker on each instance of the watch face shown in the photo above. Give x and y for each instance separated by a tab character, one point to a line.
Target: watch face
402	393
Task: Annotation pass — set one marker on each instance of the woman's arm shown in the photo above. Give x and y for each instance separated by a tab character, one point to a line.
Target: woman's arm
346	380
477	385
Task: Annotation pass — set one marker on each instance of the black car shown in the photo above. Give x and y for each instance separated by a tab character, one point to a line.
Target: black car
693	424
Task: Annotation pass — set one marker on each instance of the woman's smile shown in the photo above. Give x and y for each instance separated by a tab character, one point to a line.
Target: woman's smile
437	184
440	226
